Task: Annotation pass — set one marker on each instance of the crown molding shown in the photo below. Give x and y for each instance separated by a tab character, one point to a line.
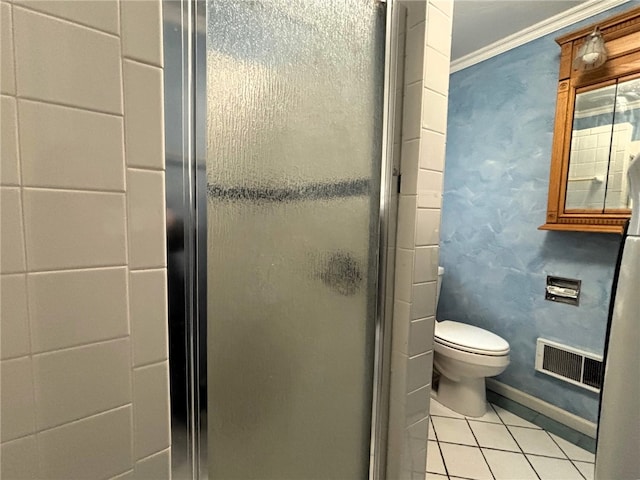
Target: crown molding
552	24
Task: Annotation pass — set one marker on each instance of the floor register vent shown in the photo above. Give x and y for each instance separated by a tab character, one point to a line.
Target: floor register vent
569	364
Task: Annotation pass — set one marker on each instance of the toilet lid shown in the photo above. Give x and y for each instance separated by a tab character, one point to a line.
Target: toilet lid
470	339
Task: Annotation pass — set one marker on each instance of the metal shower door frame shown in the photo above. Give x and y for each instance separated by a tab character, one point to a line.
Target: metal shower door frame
193	181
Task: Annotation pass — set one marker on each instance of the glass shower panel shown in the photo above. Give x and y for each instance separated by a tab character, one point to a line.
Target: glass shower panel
294	120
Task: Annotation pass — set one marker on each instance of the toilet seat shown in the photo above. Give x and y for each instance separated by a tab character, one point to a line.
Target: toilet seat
470	339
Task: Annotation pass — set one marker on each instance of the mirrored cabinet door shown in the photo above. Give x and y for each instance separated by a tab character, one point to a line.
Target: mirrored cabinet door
604	139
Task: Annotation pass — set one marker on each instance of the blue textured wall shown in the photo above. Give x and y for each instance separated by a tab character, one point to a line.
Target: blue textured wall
499	137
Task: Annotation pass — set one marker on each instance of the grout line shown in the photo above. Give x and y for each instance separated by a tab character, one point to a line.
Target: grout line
568	457
74	269
521	450
75	23
141	62
479	447
72	189
82	345
67	105
444	462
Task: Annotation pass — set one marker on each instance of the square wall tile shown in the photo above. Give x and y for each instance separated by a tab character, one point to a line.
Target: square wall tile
417	406
428	227
102	14
142	30
412	111
94	447
146	207
409	167
416	12
68	229
421	336
425	268
439	31
74	383
14	320
148	309
19	459
77	307
401	325
419	371
12	257
144	121
434	111
423	300
404	272
155	467
414	54
65	147
76	65
16	399
7	72
445	6
152	431
429	189
405	237
432	150
437	71
9	163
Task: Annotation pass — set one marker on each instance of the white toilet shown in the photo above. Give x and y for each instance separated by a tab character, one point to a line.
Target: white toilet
465	355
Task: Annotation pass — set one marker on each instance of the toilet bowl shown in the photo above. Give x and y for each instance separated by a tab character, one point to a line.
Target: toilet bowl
465	355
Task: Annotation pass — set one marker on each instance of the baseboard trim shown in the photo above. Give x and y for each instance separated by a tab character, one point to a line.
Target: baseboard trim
555	413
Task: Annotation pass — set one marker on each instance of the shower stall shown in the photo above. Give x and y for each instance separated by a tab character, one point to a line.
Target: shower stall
279	194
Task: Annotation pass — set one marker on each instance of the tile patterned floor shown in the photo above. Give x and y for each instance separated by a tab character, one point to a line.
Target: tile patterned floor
499	446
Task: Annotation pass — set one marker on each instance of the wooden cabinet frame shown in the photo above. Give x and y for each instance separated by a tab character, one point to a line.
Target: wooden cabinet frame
621	34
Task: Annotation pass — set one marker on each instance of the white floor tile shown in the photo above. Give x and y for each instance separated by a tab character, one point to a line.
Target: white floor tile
554	468
492	435
432	432
491	416
438	409
573	451
587	469
434	459
463	461
537	442
453	430
509	465
512	419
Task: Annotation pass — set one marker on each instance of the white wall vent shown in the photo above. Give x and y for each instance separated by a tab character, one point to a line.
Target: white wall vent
569	364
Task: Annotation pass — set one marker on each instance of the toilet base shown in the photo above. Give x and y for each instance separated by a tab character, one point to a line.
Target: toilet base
467	396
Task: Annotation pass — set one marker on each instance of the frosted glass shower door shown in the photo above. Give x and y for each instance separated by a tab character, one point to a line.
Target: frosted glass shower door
294	120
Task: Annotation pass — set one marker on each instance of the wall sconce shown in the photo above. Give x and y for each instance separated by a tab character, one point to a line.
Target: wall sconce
592	53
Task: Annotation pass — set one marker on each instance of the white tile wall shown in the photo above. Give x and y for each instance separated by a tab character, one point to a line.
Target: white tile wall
91	233
76	319
9	168
426	82
14	320
76	65
77	307
64	147
151	393
7	73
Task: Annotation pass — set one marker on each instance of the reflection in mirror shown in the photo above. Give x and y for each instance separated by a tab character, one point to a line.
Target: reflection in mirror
605	136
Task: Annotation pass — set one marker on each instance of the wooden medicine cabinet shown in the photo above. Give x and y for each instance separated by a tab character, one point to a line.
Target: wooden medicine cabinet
596	131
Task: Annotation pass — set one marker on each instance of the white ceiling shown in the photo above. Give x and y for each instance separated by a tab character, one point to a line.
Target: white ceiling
478	23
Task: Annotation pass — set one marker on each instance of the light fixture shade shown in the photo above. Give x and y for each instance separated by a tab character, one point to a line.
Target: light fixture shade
592	53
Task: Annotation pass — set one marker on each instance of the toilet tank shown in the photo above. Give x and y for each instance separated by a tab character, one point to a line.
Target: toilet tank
439	285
